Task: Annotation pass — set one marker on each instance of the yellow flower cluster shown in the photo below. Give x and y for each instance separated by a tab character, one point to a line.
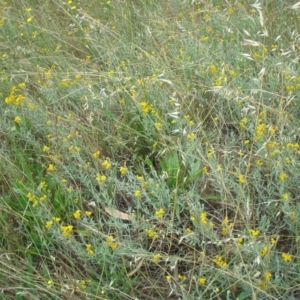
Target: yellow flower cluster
137	193
156	257
123	170
50	168
286	257
191	136
242	179
33	199
17	119
106	164
282	176
204	221
15	96
43	185
264	251
147	108
243	123
88	213
218	260
151	233
201	280
239	242
292	146
254	232
89	249
145	185
226	226
100	178
66	230
111	242
49	224
259	130
77	214
263	283
213	69
159	214
158	125
96	154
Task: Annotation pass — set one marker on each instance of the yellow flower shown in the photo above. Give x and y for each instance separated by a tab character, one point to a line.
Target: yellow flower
239	242
201	281
191	136
204	170
254	232
100	178
96	154
123	170
81	285
106	164
145	185
151	233
158	125
285	196
88	213
88	249
49	224
268	276
43	185
50	168
218	260
43	198
146	107
181	277
243	123
66	230
46	149
29	19
282	176
155	144
111	242
203	218
77	214
159	214
213	69
259	130
226	226
259	163
264	251
242	179
288	160
156	257
210	153
17	119
137	193
286	257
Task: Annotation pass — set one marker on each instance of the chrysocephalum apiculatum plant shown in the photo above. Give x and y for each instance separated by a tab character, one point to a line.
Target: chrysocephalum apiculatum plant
149	149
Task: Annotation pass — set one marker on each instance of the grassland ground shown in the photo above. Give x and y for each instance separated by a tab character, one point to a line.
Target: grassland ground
149	149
